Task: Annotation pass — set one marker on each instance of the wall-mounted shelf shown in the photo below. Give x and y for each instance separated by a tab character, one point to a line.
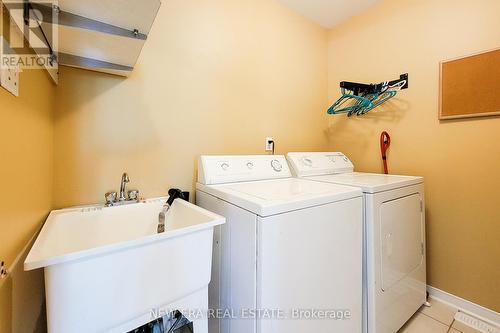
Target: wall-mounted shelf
99	35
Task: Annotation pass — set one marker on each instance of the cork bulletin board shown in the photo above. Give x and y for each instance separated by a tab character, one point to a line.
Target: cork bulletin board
470	86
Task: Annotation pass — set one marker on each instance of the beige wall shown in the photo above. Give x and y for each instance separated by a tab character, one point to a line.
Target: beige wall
460	160
218	77
213	78
26	150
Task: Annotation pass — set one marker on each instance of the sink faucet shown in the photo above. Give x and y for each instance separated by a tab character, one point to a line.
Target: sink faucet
123	184
123	198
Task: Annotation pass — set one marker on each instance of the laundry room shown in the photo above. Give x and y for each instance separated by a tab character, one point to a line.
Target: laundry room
271	166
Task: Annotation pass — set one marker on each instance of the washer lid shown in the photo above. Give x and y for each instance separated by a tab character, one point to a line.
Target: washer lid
370	182
270	197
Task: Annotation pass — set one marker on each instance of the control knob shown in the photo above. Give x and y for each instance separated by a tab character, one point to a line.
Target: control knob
276	165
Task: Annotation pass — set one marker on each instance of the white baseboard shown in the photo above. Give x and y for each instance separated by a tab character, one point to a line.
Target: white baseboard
473	309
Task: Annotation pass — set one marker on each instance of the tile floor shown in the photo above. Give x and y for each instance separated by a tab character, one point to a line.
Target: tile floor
439	318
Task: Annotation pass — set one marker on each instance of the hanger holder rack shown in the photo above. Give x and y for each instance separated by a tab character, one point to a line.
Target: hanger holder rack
359	98
363	89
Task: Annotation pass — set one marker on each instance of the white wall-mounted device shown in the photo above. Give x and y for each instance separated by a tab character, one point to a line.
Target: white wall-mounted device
9	72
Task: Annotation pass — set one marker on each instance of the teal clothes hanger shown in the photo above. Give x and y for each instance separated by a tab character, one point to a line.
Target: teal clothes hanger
376	100
359	98
360	102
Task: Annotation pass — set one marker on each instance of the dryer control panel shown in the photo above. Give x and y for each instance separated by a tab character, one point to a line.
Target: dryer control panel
317	164
231	169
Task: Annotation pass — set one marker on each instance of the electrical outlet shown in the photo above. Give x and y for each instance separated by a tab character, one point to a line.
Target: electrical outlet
9	73
269	144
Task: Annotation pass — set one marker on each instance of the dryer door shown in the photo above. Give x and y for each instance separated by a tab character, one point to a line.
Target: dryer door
401	232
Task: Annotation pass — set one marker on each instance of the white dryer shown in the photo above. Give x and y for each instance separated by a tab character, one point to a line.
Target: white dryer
394	262
289	258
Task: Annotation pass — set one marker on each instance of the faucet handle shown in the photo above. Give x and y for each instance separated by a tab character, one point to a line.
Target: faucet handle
110	198
125	178
133	195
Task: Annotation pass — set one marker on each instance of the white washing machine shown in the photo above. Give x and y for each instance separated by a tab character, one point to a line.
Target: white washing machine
289	258
394	263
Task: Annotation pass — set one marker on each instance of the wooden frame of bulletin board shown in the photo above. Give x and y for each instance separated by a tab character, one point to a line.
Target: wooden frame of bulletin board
470	86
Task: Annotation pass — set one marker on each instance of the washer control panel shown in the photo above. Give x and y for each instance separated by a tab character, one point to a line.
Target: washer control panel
316	164
230	169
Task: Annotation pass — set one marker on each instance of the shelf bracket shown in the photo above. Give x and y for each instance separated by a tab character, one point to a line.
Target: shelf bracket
83	62
77	21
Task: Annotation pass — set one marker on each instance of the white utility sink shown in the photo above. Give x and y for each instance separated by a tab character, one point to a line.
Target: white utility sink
107	269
